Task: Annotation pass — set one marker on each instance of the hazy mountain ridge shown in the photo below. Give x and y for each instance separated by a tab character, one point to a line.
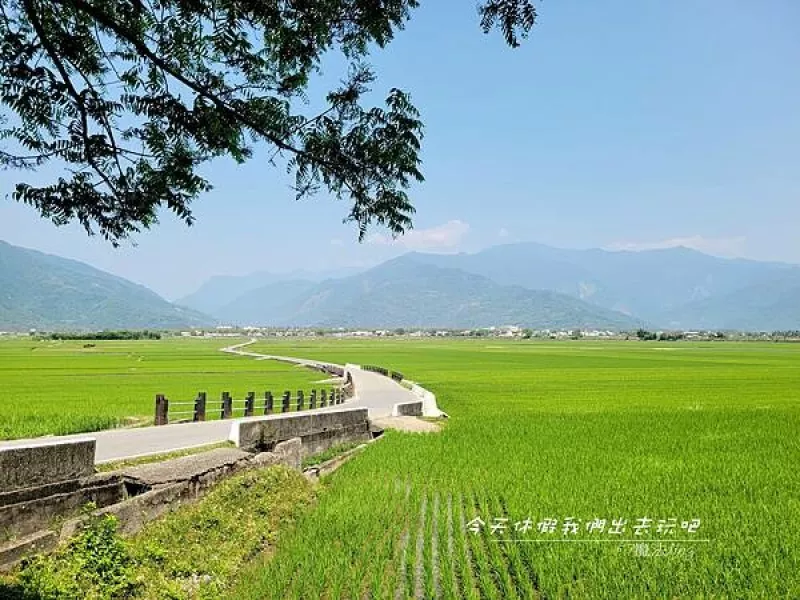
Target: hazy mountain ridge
271	299
219	291
528	285
675	288
405	292
669	288
43	291
772	304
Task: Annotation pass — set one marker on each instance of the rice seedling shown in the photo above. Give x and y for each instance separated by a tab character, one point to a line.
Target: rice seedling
574	434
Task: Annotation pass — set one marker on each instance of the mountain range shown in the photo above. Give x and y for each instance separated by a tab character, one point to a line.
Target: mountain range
407	292
42	291
674	288
529	285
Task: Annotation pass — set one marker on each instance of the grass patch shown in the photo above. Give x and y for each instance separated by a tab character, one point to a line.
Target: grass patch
195	552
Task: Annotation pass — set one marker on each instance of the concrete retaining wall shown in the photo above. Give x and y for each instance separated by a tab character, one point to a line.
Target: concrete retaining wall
317	431
37	518
429	406
41	464
167	485
20	518
407	409
41	483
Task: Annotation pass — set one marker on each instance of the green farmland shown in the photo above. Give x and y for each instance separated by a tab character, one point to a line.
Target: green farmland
558	430
58	387
569	431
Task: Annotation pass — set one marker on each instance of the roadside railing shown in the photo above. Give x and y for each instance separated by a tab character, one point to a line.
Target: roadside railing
227	407
396	375
375	369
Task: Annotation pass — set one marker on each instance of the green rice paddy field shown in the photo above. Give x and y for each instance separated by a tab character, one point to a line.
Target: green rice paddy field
555	431
697	445
58	387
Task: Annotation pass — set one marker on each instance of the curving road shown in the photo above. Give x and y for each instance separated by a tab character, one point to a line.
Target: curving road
376	393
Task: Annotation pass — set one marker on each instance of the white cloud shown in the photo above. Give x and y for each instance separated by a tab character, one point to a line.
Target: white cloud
442	237
726	247
503	233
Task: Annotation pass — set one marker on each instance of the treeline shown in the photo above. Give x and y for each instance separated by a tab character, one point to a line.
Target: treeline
107	335
674	336
792	333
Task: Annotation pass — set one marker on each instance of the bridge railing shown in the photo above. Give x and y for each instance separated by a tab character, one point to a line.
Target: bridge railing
396	375
201	408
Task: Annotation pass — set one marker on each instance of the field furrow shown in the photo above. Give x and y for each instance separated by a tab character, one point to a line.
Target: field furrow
420	570
485	573
510	554
466	571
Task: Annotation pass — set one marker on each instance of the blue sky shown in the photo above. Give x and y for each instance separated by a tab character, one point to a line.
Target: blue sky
619	124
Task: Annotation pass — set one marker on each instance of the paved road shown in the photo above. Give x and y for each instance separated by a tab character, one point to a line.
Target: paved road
375	392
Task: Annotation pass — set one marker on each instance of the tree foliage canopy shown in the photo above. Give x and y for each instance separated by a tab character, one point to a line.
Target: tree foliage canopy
127	98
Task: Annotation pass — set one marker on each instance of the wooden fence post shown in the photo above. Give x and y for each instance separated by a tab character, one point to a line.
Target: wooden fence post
200	407
312	403
323	398
157	414
286	399
227	406
249	404
268	400
161	410
300	399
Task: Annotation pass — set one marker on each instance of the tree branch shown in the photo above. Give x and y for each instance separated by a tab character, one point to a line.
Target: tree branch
145	51
30	10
